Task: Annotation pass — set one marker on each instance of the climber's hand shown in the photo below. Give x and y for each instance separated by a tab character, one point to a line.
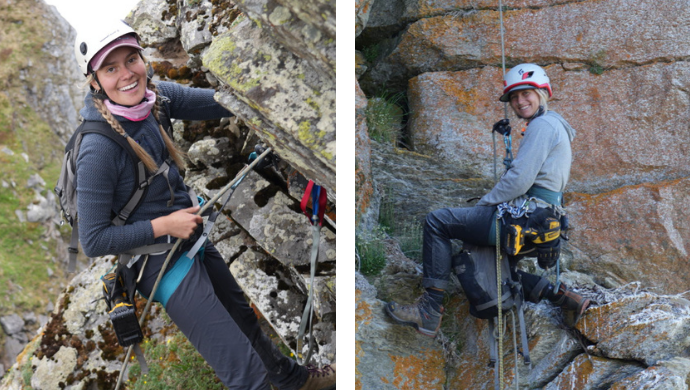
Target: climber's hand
502	127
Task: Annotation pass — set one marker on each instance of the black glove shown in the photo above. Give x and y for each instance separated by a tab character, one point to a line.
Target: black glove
502	127
269	160
547	256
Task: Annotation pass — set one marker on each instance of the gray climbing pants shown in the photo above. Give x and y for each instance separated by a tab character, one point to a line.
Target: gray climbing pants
209	307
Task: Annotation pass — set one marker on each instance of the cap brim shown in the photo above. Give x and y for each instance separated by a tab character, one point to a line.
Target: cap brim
506	96
103	54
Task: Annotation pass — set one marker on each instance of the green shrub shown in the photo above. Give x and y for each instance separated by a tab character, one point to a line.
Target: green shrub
400	227
410	237
384	118
371	251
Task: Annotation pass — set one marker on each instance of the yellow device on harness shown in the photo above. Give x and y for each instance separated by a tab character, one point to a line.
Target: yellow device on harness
121	310
518	236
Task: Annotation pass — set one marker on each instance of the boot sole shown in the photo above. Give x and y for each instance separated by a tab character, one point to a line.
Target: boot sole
423	331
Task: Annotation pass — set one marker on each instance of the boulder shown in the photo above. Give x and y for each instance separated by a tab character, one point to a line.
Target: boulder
591	32
366	195
278	95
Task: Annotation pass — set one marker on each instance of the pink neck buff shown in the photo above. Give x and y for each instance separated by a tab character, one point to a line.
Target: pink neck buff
135	113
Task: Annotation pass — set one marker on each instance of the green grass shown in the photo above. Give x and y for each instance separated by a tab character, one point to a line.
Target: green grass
371	53
24	275
384	118
398	225
25	253
596	59
173	364
371	249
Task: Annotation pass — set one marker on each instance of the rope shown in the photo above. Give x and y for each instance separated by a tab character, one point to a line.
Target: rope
500	306
503	51
515	349
208	204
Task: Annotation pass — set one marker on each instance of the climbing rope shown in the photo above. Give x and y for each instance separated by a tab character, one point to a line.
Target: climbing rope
509	155
499	385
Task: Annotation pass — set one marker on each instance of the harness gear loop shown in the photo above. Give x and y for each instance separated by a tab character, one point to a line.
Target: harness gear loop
240	176
318	197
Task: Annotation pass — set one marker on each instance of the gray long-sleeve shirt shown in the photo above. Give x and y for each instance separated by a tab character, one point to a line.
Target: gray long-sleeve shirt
544	159
105	174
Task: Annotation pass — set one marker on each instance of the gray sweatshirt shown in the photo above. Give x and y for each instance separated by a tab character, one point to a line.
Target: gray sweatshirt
543	159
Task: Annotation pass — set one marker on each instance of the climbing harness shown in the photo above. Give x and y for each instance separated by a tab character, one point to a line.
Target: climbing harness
230	186
318	197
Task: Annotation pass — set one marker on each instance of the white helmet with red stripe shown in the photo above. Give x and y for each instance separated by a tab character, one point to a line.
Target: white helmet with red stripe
525	76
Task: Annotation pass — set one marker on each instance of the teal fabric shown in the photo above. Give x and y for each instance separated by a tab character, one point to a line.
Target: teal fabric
552	197
172	279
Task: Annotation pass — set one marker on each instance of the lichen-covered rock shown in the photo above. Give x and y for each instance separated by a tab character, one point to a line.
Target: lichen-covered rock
420	183
49	372
306	29
644	327
154	22
459	40
390	356
195	19
277	301
592	372
269	216
366	198
667	375
362	11
279	95
209	151
452	114
605	225
77	346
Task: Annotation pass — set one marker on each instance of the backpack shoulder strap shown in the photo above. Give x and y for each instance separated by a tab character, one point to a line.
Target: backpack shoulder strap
164	116
137	194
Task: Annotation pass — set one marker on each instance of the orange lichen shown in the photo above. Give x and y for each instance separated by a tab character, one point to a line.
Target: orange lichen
358	353
422	370
363	314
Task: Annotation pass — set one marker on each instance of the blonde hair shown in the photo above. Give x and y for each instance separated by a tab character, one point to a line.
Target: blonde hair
543	98
176	154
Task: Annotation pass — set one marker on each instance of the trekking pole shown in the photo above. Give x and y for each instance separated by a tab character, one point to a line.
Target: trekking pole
240	176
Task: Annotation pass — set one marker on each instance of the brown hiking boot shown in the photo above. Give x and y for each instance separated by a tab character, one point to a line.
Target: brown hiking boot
568	300
320	378
419	315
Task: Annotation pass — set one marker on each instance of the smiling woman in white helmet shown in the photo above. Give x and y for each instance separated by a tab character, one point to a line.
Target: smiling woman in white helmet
537	177
200	294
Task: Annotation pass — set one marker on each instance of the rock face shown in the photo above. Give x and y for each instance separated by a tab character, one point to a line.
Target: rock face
274	67
627	99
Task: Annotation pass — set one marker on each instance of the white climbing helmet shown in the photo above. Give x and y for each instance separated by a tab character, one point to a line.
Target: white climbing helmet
525	76
91	40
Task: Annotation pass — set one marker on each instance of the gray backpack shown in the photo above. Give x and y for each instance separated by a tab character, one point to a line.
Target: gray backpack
475	268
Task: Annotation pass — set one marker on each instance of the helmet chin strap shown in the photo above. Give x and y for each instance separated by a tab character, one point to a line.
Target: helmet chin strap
537	114
100	93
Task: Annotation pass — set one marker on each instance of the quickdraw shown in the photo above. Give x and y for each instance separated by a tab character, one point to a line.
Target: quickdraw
318	197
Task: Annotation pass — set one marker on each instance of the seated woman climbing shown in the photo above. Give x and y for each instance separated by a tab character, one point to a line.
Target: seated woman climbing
201	296
537	176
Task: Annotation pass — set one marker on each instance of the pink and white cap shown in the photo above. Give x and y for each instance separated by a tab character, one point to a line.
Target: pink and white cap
125	40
